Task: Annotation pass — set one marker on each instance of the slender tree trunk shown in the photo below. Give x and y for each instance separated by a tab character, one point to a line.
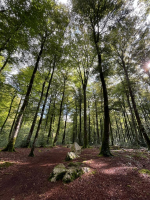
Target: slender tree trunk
97	129
111	133
133	119
14	119
80	119
8	112
74	128
35	116
85	118
5	63
105	150
47	117
42	113
89	123
101	128
51	121
117	131
11	143
141	127
61	108
64	134
126	124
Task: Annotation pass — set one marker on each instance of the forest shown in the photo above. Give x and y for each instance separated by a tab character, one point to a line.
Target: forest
75	72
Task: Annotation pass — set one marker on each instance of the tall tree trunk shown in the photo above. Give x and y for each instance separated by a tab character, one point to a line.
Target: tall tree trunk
97	129
133	119
105	150
111	134
14	119
101	128
47	117
11	143
35	116
64	134
80	119
85	118
74	128
42	113
89	123
8	112
51	121
126	124
141	127
61	107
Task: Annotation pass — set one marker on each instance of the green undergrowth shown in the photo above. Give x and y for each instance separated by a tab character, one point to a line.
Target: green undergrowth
4	165
144	171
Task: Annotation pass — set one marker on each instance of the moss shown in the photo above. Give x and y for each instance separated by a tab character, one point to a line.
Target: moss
144	171
93	172
5	165
74	164
58	177
10	146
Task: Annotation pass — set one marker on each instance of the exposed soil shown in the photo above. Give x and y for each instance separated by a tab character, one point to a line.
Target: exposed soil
115	178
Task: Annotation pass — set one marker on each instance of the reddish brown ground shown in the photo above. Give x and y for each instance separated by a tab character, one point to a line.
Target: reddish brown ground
111	179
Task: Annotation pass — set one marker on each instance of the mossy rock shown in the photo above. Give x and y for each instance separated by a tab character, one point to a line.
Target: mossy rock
57	173
144	171
71	156
74	164
5	165
69	174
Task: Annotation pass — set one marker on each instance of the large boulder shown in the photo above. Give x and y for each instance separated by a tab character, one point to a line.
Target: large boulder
76	148
57	173
71	156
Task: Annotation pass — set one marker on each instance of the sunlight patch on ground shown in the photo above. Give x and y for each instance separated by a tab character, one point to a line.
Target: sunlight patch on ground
117	170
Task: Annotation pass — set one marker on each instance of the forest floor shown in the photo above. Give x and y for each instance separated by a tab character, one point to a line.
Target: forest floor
113	178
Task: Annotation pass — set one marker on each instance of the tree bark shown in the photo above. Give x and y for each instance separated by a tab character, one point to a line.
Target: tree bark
61	106
64	134
105	150
14	119
141	127
85	118
80	119
51	121
35	116
42	113
8	112
5	63
97	129
11	143
89	123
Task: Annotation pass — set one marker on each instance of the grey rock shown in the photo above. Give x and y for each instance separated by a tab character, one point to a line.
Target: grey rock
71	156
58	173
76	148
